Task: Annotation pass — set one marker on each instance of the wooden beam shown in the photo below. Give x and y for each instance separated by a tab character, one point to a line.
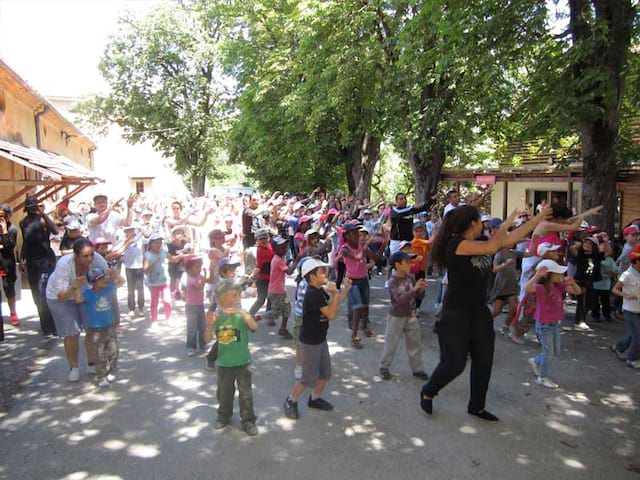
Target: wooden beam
18	194
27	164
505	200
56	189
74	192
570	195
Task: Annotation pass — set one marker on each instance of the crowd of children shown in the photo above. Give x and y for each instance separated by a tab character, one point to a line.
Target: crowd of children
334	245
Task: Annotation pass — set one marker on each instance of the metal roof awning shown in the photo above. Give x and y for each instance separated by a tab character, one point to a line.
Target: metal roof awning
55	173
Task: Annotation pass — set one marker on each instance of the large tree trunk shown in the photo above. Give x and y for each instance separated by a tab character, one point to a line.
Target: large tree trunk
608	39
197	185
360	164
426	171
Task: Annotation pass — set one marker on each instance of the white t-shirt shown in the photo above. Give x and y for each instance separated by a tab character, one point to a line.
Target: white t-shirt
107	229
450	207
132	256
630	280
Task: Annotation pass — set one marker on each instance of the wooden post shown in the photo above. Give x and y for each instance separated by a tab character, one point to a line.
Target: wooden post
570	195
505	200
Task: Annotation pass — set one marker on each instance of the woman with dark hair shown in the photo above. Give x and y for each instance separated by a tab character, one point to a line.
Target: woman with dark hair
466	326
69	316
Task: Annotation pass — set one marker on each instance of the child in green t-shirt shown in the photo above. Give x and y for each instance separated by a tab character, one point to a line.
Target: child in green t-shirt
231	326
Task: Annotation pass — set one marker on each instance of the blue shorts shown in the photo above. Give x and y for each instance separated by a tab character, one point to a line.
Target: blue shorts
359	294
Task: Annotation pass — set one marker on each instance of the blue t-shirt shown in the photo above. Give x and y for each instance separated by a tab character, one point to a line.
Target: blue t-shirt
157	276
99	312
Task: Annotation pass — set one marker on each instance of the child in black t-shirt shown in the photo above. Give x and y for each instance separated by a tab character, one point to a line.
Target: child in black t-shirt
320	306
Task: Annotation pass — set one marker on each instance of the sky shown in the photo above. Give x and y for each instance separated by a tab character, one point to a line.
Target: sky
55	45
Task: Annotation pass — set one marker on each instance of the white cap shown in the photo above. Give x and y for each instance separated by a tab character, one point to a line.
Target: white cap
403	244
156	236
485	218
546	247
551	266
312	264
309	232
297	206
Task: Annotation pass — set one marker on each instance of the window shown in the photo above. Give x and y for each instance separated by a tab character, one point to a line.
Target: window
139	187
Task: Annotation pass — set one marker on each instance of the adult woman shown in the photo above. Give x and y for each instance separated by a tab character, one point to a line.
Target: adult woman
68	316
466	326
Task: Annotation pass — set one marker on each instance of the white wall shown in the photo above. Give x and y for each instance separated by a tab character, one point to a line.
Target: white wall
517	194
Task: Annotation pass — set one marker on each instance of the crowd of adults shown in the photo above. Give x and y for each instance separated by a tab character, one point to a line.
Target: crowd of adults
481	260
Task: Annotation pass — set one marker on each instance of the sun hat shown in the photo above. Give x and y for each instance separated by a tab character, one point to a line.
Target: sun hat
551	266
311	265
546	247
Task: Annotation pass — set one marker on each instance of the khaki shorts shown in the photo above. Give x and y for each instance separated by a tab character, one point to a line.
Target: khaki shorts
316	363
297	325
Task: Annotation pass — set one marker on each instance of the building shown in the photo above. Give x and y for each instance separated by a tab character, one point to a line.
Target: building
126	167
41	152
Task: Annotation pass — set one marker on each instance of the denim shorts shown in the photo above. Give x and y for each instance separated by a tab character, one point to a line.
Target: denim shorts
359	294
69	317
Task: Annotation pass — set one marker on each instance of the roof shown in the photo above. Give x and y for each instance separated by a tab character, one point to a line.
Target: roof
27	94
52	166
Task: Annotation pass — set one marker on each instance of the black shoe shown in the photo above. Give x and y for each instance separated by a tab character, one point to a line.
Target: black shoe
426	404
319	403
385	374
422	375
291	409
484	415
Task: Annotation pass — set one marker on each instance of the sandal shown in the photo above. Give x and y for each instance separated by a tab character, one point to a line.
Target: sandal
355	343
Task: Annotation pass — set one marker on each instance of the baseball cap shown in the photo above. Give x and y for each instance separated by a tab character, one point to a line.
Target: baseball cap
403	244
546	247
228	261
551	266
262	233
178	228
485	218
297	206
99	195
191	258
423	214
635	253
310	232
311	265
630	230
496	222
155	236
95	274
332	211
225	286
146	212
101	241
72	225
362	228
278	240
351	226
304	219
593	239
418	224
367	212
400	257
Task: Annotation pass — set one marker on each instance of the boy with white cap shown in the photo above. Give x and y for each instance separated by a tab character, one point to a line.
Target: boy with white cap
320	306
549	285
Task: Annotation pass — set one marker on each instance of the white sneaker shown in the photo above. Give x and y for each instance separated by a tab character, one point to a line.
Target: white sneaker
91	369
74	375
132	314
140	312
154	327
534	366
104	382
633	363
546	382
583	326
191	352
111	378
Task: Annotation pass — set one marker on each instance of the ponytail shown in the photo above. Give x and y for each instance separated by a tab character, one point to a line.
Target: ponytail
456	222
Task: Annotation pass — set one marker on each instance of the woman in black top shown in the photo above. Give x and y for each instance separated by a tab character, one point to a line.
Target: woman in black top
466	326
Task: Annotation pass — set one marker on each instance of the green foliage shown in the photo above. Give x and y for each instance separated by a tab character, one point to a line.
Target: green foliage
167	85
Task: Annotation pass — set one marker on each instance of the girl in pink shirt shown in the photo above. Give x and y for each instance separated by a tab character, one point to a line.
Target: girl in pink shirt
549	285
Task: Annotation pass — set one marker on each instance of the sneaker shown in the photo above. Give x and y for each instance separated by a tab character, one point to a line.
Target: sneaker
111	378
513	336
132	314
620	355
385	374
633	364
546	382
91	369
250	429
534	366
211	364
104	382
219	425
74	375
284	333
582	326
140	312
191	352
319	403
154	327
421	375
14	320
291	409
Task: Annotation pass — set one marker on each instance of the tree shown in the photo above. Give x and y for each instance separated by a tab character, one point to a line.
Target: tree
577	85
167	85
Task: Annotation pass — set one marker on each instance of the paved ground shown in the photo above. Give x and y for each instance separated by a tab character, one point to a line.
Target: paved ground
156	421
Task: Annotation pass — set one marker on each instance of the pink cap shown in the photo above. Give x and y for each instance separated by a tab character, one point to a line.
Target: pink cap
101	241
630	230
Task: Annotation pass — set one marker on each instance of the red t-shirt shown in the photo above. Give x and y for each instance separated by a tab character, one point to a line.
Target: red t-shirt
264	256
278	269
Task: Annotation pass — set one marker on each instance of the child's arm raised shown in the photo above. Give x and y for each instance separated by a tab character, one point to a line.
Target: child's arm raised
531	284
571	286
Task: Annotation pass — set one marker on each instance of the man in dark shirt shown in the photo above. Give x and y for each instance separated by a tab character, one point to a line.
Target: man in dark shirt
320	306
38	258
402	220
8	271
